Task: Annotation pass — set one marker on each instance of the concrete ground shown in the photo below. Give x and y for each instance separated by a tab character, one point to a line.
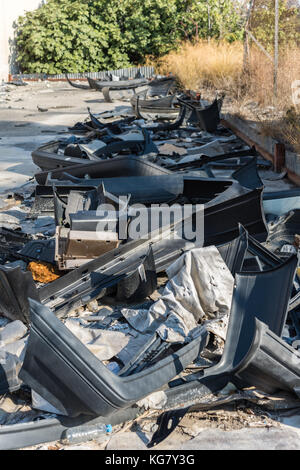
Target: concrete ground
33	115
40	112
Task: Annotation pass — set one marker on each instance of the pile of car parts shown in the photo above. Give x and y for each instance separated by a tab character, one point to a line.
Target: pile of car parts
169	151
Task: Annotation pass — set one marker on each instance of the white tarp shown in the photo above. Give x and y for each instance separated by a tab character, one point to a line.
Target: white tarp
199	290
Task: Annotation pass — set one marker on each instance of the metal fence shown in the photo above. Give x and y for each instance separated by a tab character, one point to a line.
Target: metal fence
282	24
130	72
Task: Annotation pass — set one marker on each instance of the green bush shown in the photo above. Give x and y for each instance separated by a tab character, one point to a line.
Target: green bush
85	36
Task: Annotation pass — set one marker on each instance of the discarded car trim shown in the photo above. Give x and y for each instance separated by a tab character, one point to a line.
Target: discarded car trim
270	364
79	383
119	166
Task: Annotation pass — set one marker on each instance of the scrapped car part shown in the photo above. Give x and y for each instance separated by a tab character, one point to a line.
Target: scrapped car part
11	251
294	302
44	198
250	301
234	206
169	126
248	175
77	85
39	250
295	318
269	259
222	216
73	248
77	201
284	231
157	87
16	288
48	158
116	167
236	164
245	342
270	364
43	430
148	112
226	204
140	284
102	124
142	189
206	160
165	102
14	236
282	202
90	281
234	252
10	367
143	142
207	118
66	374
143	356
119	85
19	436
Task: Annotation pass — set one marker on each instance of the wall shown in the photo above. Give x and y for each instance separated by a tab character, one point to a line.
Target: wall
10	10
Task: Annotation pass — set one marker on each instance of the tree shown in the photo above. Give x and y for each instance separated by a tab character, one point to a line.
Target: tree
86	35
262	22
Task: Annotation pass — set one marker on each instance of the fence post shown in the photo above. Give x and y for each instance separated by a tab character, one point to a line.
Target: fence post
276	48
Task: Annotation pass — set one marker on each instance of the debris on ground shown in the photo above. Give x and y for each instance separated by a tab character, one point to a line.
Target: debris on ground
149	279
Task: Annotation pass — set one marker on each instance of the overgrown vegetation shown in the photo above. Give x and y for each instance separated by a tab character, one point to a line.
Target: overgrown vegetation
84	35
213	66
219	65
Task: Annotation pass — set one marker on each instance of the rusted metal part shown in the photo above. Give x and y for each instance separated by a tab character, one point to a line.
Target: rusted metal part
279	157
75	248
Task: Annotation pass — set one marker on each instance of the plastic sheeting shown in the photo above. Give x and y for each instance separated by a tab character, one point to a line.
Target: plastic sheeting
199	291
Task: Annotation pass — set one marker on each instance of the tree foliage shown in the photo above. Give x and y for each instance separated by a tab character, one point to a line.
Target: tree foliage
262	22
85	35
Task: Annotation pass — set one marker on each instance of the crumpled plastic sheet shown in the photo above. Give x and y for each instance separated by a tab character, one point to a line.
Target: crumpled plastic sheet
104	344
108	343
199	290
13	338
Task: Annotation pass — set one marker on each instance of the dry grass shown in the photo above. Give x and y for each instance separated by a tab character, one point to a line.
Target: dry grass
209	64
219	66
261	77
286	129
